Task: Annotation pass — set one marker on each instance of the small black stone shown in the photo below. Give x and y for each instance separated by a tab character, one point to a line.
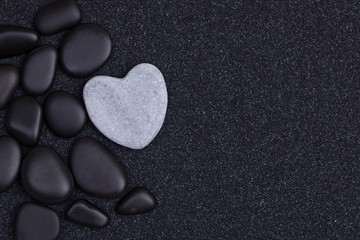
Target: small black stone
140	200
39	70
57	16
35	222
9	79
96	170
16	40
10	159
86	213
85	49
24	120
45	176
64	114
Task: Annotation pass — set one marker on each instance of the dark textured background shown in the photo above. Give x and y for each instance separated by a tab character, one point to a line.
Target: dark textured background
262	135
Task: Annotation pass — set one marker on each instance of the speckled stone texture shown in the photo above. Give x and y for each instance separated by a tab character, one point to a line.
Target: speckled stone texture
261	137
129	111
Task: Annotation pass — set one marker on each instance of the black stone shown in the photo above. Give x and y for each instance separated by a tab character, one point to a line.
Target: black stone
140	200
9	79
35	222
10	159
86	213
24	120
57	16
64	114
85	49
16	40
39	70
45	176
96	170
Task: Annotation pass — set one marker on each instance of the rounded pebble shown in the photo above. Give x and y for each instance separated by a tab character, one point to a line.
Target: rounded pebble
85	49
140	200
35	222
45	176
39	70
57	16
64	114
9	80
96	170
10	159
87	214
16	40
24	120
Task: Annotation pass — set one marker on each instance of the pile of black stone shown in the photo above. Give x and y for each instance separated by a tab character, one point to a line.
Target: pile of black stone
45	176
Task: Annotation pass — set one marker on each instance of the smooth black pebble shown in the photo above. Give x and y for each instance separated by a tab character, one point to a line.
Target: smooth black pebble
24	120
10	159
64	114
9	80
85	49
57	16
45	176
16	40
140	200
39	70
35	222
86	213
96	170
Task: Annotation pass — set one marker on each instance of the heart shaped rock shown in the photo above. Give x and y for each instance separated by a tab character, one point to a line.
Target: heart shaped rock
129	111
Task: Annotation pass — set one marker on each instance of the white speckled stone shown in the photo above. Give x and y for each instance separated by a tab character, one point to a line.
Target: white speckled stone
129	111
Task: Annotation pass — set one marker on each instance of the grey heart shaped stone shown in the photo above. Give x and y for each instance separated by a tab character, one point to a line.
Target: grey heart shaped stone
129	111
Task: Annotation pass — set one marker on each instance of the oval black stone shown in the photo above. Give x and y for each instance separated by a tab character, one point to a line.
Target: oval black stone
16	40
45	176
9	79
140	200
39	70
85	49
24	120
35	222
64	114
96	170
86	213
10	159
57	16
